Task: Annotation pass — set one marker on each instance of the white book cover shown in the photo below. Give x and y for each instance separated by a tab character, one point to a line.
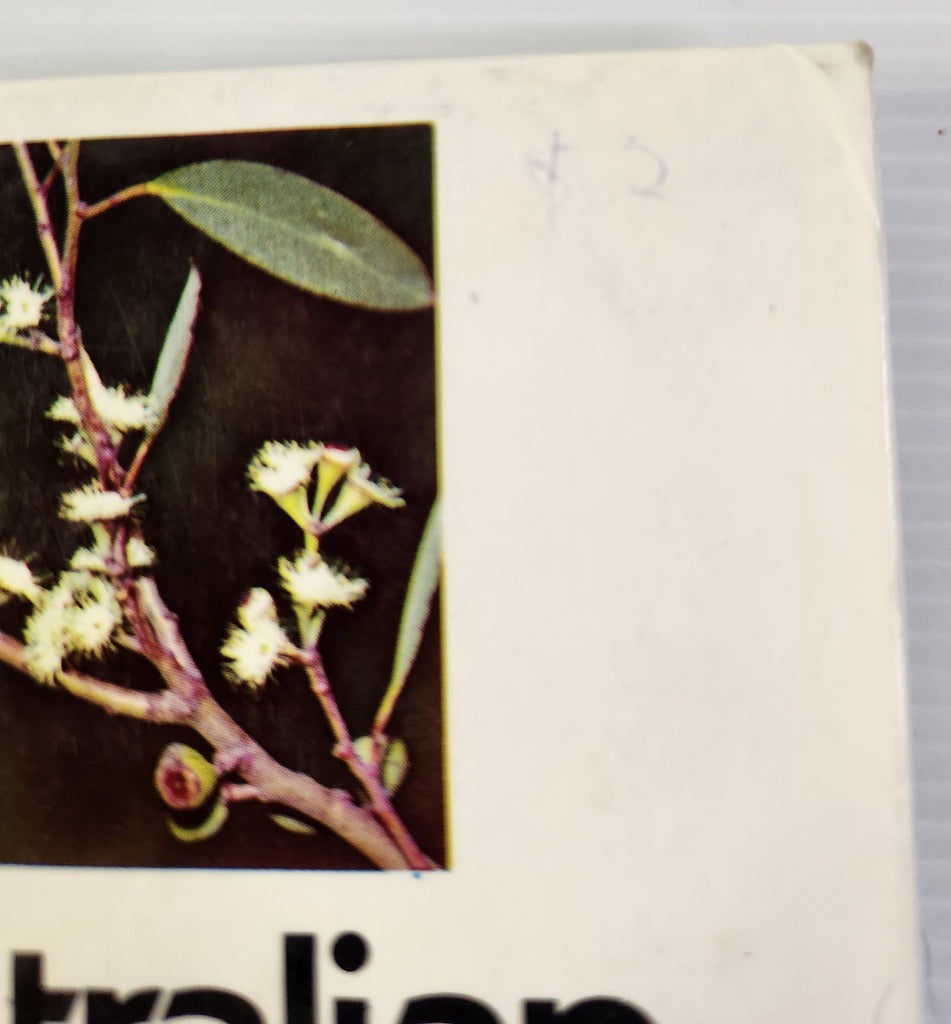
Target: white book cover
448	550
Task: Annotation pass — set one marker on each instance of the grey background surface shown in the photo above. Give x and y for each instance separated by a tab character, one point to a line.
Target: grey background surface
912	43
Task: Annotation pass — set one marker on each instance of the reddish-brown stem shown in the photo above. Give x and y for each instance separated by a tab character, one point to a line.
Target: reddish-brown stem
36	341
156	634
333	808
170	656
56	152
87	212
41	213
240	792
272	780
132	474
367	775
68	329
164	707
320	685
107	463
62	268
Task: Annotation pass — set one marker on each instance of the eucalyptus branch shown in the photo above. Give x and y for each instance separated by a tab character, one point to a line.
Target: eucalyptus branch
41	213
275	783
301	793
138	461
70	165
166	649
155	629
367	775
320	686
385	711
163	708
241	792
56	152
63	274
173	658
35	341
109	595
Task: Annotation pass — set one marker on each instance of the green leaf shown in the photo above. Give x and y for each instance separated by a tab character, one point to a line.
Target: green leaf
174	355
363	748
394	759
419	598
299	231
395	766
293	825
211	826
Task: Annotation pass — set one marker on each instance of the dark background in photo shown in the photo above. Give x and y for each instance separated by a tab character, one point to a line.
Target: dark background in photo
268	362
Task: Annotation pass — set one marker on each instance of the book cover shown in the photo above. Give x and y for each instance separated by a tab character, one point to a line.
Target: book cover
449	556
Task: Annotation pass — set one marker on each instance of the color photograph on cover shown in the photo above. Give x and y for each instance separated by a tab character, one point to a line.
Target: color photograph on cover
219	524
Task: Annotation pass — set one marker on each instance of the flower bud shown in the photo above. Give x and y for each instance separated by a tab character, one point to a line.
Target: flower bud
184	779
334	463
358	491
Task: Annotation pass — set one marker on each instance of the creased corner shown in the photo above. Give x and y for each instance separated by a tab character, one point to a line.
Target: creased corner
816	74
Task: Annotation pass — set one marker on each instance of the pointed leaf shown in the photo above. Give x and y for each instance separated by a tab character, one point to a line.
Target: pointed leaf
302	232
211	826
294	825
363	748
395	766
174	355
419	598
93	380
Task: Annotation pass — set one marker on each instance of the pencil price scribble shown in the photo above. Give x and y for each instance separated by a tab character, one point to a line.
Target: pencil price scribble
651	169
